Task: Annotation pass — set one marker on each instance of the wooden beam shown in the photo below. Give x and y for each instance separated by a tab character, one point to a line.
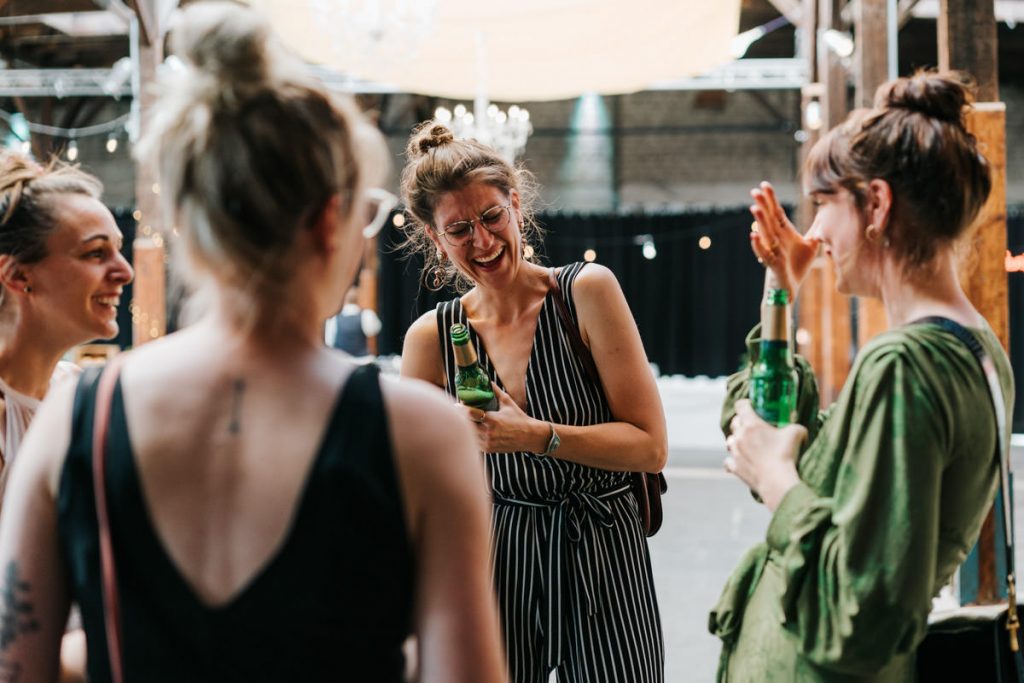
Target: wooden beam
789	9
984	278
149	294
147	12
871	61
871	70
967	41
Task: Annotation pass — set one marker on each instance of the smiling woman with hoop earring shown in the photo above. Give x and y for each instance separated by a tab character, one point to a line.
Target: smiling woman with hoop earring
571	563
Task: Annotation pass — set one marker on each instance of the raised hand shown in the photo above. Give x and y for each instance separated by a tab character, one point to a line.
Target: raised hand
785	252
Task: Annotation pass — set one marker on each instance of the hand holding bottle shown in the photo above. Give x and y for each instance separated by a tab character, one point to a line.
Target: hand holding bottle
508	429
763	456
786	253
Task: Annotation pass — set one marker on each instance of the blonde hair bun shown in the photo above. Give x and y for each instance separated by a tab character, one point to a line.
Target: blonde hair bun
428	136
227	41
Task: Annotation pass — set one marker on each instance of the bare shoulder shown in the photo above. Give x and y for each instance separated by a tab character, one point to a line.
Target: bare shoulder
421	351
593	283
426	415
41	455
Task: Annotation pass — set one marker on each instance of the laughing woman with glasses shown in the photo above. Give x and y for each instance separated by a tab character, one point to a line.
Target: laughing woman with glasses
276	513
571	563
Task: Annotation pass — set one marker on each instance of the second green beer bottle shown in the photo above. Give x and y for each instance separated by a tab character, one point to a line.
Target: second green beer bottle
471	383
773	378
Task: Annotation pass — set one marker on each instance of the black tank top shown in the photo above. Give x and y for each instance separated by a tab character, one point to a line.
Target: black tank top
333	603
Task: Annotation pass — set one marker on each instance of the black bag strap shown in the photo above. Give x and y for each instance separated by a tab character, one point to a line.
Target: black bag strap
1002	455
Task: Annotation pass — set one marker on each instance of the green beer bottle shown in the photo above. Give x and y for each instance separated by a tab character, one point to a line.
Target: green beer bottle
773	378
471	383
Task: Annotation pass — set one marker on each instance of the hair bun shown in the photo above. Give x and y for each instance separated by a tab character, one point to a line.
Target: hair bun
938	96
428	136
227	41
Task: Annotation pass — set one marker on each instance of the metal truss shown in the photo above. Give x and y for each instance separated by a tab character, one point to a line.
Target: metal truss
746	74
63	83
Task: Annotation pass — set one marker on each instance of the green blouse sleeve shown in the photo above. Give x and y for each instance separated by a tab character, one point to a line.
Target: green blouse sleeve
859	567
737	387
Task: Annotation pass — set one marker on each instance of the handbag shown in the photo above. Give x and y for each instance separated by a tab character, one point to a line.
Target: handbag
111	605
978	642
648	488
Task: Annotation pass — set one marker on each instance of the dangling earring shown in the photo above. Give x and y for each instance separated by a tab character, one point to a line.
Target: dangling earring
438	272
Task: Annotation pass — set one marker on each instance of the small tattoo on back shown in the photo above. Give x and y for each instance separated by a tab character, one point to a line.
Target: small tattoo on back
235	426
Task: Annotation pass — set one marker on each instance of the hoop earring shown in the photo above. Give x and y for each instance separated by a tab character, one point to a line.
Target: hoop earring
439	274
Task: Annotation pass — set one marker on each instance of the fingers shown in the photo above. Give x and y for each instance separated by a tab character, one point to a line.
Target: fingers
476	415
773	203
744	411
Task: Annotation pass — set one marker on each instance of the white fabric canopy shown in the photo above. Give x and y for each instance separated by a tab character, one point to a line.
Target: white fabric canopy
515	50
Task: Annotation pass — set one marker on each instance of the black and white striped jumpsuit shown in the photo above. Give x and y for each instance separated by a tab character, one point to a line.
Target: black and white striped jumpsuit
571	563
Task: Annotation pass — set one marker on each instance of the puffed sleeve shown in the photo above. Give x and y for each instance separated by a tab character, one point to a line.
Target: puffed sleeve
859	567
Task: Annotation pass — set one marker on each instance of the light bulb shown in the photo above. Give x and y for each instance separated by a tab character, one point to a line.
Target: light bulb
72	150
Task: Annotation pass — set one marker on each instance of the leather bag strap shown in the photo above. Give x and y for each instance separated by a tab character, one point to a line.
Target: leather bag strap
101	424
572	330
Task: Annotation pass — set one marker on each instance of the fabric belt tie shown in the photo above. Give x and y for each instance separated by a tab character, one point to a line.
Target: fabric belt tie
571	541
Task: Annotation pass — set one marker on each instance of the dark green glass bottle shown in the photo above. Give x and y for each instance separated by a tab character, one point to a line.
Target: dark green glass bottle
471	383
773	378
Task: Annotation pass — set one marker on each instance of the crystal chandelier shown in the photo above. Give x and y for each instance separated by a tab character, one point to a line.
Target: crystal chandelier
505	132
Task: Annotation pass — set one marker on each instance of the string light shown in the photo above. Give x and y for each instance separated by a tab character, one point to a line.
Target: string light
589	255
398	220
704	242
72	150
156	188
112	143
137	214
649	250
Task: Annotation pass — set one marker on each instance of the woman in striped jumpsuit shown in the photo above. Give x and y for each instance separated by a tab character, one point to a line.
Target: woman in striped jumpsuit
571	563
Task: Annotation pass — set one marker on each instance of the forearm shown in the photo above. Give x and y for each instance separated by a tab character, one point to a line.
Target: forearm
618	446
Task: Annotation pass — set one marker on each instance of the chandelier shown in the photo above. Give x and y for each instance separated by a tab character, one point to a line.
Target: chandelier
506	132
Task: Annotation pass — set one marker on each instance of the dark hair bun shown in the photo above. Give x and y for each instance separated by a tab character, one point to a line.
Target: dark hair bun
226	41
428	136
944	97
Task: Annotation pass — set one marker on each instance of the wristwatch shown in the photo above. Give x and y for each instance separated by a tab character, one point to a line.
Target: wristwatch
553	443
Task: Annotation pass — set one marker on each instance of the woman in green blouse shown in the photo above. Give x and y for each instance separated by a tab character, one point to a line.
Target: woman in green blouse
878	499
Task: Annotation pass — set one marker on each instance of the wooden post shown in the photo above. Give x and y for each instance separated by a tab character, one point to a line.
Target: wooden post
824	314
872	70
967	42
149	299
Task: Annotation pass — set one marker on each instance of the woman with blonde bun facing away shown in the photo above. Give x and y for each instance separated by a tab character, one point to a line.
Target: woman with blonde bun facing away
268	520
876	501
571	564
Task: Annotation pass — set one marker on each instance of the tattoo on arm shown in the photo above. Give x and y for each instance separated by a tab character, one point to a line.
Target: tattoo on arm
236	407
17	614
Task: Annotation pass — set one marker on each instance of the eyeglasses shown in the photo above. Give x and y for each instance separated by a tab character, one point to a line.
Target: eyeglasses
379	204
494	220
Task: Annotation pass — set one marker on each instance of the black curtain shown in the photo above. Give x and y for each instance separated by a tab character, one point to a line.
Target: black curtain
692	305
